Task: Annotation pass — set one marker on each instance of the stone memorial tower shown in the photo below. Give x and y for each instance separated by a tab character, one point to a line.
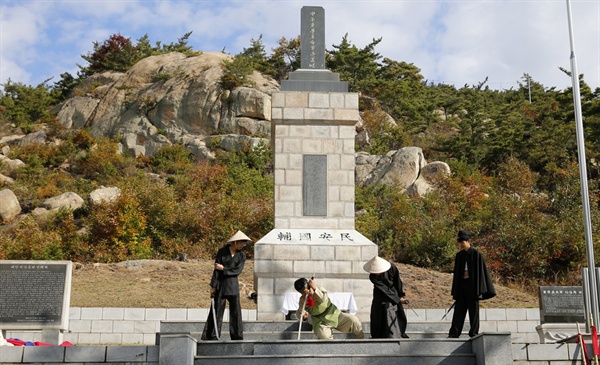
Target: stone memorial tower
313	129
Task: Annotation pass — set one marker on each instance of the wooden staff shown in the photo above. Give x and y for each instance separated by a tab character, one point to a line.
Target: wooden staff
301	317
302	311
581	342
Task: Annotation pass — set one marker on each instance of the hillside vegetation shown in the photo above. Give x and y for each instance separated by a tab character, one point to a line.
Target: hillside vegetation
515	178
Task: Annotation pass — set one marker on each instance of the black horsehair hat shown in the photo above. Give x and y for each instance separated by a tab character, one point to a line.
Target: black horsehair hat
463	236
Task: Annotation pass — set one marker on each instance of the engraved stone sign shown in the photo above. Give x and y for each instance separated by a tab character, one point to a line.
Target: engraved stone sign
312	75
312	37
35	294
315	185
561	304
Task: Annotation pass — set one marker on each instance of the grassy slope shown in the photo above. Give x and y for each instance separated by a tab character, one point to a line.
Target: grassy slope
174	284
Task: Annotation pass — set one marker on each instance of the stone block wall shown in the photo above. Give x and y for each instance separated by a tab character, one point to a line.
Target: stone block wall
80	355
122	326
138	326
314	123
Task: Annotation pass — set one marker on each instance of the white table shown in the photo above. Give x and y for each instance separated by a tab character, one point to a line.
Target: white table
343	300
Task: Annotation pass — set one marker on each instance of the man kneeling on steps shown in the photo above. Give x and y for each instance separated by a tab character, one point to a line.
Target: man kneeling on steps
325	315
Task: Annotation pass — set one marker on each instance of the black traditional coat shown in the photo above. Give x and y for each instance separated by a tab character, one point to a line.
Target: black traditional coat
479	284
226	281
388	319
228	289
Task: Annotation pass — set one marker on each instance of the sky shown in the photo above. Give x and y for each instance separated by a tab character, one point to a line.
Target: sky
456	42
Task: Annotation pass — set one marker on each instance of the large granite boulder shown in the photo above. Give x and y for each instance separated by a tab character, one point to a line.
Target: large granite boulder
11	164
430	175
104	195
68	200
6	179
405	168
400	168
9	205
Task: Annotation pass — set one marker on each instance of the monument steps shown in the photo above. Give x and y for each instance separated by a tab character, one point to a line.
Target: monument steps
276	343
292	326
309	335
342	351
385	347
355	359
288	330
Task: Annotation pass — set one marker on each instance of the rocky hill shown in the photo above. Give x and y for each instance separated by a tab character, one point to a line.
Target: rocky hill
173	98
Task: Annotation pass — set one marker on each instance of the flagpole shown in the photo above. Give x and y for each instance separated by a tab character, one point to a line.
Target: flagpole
583	173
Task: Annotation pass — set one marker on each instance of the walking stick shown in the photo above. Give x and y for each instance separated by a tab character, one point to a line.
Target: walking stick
214	315
448	311
302	311
411	308
301	317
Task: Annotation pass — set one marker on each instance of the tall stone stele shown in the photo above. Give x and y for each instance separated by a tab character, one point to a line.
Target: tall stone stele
313	131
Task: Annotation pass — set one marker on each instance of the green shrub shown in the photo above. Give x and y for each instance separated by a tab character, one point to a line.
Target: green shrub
172	159
236	72
102	162
29	242
118	230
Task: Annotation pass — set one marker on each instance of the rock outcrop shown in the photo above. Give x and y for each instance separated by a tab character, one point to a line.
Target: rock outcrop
405	168
170	98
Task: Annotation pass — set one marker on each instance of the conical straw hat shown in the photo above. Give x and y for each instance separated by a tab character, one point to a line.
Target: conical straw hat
377	265
239	236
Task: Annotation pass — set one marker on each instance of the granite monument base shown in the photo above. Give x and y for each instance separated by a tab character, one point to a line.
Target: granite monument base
334	256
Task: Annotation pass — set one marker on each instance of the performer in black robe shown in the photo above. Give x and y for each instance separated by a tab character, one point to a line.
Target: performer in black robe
224	286
471	283
388	319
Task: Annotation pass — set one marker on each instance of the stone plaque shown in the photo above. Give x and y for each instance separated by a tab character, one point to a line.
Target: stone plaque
315	185
561	304
35	294
312	37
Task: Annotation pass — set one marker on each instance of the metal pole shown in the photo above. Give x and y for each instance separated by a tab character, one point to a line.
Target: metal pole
586	299
583	173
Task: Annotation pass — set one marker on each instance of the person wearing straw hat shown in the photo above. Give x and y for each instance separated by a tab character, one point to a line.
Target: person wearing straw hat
325	315
388	319
471	283
224	286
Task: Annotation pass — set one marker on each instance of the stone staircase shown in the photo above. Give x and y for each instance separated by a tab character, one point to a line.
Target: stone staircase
268	343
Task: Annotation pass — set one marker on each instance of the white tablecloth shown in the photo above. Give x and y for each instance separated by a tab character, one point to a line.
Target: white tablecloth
342	300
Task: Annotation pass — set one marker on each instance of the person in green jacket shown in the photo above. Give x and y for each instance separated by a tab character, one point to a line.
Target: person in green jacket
325	315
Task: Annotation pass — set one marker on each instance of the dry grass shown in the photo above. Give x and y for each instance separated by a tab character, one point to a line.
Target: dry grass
175	284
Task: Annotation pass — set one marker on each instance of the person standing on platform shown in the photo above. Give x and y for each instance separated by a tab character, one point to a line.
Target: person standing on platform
224	286
325	315
470	284
388	319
